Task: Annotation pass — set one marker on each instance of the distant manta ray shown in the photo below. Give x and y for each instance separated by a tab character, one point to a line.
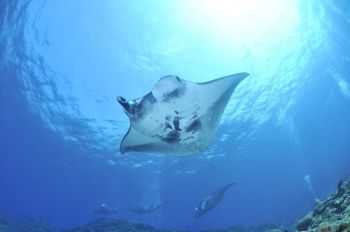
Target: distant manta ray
177	117
147	208
212	200
104	210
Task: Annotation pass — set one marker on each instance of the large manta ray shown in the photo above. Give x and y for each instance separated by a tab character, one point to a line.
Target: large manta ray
177	117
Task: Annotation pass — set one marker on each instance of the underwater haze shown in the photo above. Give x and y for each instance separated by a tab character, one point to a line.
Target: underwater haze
284	137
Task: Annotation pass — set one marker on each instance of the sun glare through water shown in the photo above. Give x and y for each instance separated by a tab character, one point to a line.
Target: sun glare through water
242	22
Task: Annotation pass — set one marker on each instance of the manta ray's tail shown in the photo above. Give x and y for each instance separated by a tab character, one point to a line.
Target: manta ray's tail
226	187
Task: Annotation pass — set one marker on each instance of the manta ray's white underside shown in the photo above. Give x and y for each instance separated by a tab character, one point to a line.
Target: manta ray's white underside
177	117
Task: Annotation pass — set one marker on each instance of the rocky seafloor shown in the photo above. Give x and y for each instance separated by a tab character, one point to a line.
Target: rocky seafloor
25	224
120	225
331	215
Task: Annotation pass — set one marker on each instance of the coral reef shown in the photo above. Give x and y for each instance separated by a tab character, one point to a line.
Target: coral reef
331	215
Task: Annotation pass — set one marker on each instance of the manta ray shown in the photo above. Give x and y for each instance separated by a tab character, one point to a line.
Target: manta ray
104	210
177	117
146	209
210	201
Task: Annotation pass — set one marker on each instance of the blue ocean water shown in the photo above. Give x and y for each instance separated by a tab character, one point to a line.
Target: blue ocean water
284	137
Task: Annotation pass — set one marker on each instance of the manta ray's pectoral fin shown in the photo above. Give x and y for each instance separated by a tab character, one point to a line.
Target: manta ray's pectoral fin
135	141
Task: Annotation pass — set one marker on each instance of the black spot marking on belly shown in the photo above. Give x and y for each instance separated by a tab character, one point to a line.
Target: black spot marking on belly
172	137
194	126
176	123
168	126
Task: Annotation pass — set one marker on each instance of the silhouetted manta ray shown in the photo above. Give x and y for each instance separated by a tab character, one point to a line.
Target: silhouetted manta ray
178	116
147	208
210	201
105	210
